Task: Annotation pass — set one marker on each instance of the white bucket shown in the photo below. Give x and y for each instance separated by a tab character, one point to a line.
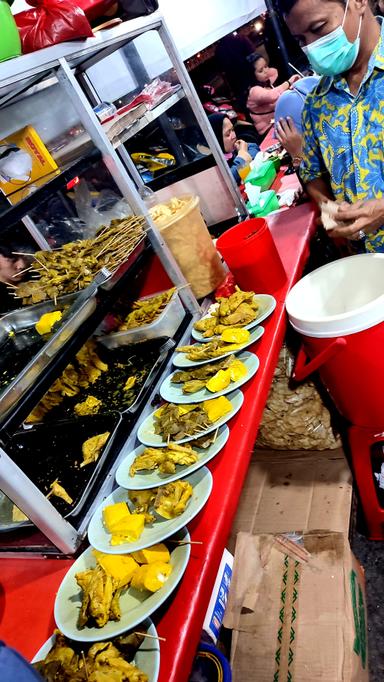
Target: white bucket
341	298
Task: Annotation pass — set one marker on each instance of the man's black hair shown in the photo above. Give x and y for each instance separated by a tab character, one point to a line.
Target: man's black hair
284	6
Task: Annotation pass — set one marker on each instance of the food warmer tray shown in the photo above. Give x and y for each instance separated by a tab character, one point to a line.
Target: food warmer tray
144	360
47	452
79	322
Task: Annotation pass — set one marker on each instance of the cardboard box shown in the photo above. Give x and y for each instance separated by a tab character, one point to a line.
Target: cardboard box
297	610
41	163
287	491
219	597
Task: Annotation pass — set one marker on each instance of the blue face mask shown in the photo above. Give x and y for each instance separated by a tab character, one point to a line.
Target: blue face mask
333	54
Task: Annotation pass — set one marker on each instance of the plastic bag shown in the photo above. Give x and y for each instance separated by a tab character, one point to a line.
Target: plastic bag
138	8
51	22
295	418
97	211
93	9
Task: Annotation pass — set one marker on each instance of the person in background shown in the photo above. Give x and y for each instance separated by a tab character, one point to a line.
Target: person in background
343	118
288	113
237	152
263	97
231	56
12	268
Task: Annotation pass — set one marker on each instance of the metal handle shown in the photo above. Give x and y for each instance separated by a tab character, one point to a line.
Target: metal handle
304	369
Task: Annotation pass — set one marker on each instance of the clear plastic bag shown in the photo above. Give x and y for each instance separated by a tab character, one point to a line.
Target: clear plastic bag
295	418
95	212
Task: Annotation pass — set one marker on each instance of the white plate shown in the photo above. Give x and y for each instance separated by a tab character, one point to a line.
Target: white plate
147	436
151	479
201	482
173	393
147	657
267	306
181	360
135	606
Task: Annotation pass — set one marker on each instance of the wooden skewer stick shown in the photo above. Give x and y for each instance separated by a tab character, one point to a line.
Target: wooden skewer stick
186	542
144	634
21	253
215	435
85	665
42	264
17	274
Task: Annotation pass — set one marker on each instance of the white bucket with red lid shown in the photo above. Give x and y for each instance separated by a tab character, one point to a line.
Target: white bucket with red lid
339	311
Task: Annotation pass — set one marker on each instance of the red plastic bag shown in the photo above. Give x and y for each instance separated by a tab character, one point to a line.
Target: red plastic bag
227	287
51	22
93	9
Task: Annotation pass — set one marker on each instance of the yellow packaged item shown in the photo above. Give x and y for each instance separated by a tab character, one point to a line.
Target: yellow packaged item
47	321
237	370
235	335
219	381
25	163
217	408
151	576
120	567
152	554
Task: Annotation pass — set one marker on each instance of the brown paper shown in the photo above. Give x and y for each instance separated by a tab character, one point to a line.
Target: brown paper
297	620
187	236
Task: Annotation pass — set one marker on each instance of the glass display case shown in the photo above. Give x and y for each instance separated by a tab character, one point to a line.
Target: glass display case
92	173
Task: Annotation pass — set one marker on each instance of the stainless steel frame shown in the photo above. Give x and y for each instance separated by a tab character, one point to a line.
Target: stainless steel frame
67	61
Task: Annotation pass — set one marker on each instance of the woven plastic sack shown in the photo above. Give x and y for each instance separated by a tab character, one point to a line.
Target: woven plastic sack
295	418
51	22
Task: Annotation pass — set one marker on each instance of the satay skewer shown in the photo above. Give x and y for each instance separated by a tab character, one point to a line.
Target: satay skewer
142	634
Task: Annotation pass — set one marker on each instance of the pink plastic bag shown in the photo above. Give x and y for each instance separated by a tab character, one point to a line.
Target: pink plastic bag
51	22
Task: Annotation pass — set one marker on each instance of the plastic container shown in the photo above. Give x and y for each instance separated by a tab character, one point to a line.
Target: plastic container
339	310
166	325
263	176
267	203
251	255
10	45
187	236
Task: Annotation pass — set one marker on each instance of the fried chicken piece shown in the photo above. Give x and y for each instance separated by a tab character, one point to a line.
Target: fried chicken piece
58	491
171	500
206	323
193	386
98	591
149	460
242	316
92	447
90	405
143	500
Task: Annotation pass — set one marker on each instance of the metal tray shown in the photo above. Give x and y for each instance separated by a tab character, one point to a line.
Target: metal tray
47	452
122	362
24	354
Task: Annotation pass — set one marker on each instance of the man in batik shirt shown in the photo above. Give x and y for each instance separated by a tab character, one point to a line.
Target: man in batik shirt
343	118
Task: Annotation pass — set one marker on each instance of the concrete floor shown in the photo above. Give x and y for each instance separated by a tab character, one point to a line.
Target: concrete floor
371	557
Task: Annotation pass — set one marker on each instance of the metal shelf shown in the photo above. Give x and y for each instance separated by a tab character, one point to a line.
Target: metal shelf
51	183
78	53
105	296
149	117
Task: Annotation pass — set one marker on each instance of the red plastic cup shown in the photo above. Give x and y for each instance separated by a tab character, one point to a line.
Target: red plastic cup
251	255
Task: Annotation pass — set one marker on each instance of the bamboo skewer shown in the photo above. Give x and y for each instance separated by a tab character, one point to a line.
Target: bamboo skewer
17	274
186	542
85	665
142	634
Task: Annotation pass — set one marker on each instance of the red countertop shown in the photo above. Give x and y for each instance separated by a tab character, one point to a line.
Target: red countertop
28	586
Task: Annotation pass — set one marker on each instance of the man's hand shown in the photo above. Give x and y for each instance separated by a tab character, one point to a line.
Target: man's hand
293	79
366	216
289	137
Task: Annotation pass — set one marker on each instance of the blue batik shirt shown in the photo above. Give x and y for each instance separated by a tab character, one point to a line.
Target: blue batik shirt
344	137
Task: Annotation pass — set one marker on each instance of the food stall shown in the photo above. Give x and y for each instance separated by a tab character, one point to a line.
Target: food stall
131	261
